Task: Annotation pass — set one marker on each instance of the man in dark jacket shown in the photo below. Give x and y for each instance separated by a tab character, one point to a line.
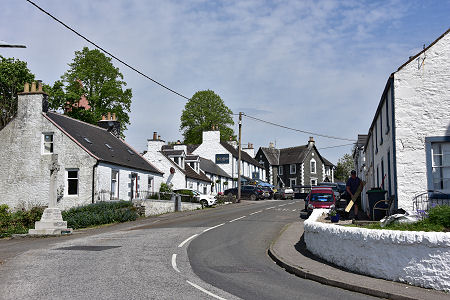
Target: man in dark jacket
352	186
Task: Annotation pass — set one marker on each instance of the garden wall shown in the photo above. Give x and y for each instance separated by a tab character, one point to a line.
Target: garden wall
417	258
158	207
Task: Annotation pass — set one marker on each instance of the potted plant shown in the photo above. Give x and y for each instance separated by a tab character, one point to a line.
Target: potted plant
334	216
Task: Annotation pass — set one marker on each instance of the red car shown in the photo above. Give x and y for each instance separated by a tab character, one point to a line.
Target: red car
320	197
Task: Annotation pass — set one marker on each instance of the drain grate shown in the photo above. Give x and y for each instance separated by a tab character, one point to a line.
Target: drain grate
88	248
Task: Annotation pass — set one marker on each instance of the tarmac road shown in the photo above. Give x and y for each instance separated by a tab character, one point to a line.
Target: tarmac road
149	259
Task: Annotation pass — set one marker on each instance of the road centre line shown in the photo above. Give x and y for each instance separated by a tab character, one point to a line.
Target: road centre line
174	263
187	240
270	208
254	213
237	219
208	229
204	291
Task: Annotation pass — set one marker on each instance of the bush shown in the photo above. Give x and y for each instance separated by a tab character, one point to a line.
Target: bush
100	213
440	215
165	191
18	222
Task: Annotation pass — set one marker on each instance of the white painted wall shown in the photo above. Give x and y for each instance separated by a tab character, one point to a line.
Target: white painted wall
422	109
162	163
417	258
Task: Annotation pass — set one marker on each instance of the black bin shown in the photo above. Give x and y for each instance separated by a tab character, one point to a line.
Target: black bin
375	195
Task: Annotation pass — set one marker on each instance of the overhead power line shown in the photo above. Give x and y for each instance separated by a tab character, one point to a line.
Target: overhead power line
351	144
299	130
107	52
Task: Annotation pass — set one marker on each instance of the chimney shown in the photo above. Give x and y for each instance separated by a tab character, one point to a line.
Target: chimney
212	136
311	142
249	150
271	146
154	145
112	125
31	103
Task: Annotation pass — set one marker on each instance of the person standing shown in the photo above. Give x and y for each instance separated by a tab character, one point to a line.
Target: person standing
352	186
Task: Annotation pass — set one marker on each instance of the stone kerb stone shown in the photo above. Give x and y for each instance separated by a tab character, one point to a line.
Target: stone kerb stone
417	258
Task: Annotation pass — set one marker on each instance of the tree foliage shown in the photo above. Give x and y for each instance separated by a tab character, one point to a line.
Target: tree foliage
13	75
344	167
91	74
203	111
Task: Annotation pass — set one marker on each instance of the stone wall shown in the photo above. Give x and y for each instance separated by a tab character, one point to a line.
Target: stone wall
158	207
417	258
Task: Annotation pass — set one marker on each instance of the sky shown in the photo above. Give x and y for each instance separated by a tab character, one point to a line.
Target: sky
317	66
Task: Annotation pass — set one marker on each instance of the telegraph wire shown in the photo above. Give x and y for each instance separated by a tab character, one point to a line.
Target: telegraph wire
336	146
107	52
298	130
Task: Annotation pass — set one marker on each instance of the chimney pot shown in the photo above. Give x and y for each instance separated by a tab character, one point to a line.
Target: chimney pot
178	142
159	137
155	135
311	139
26	87
40	86
109	116
33	87
114	116
103	118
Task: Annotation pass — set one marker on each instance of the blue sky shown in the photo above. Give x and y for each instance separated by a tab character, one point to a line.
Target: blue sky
319	66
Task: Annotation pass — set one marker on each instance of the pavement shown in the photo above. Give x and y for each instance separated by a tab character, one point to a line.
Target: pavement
289	251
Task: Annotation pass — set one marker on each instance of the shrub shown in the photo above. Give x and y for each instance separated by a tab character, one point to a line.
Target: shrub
18	222
100	213
439	215
165	191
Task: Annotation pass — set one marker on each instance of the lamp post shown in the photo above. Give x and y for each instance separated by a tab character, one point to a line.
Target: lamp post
239	158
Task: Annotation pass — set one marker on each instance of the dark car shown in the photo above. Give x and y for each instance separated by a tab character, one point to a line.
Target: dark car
247	191
320	197
268	192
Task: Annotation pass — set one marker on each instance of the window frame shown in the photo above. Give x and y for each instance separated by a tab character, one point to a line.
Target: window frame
115	191
290	182
52	143
71	178
295	169
280	170
429	158
315	166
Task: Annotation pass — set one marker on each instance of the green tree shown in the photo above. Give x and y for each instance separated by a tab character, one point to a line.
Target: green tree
13	75
91	74
203	111
344	167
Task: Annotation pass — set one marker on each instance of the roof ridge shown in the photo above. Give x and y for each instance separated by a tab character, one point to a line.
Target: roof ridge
65	116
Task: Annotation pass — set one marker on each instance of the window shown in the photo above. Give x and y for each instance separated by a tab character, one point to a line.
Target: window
387	115
378	177
292	182
293	169
150	184
114	184
313	181
382	174
72	181
313	166
440	166
381	128
280	170
175	159
47	143
376	138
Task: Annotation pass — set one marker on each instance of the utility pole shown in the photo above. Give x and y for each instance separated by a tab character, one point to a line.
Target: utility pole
239	158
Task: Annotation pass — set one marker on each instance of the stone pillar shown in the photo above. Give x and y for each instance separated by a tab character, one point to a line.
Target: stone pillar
51	222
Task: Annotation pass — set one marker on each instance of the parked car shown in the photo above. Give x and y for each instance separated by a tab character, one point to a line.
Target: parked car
247	191
190	195
320	197
334	186
284	193
268	192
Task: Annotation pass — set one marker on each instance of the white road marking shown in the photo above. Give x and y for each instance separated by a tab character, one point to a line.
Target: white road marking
270	207
294	210
281	205
254	213
174	263
208	229
204	291
237	219
187	240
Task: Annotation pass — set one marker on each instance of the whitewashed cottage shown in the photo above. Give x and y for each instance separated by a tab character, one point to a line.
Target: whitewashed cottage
408	145
94	163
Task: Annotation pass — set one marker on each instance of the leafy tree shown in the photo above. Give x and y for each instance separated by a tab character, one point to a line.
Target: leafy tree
344	167
91	74
13	75
203	111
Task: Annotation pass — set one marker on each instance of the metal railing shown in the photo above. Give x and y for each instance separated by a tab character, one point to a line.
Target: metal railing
424	201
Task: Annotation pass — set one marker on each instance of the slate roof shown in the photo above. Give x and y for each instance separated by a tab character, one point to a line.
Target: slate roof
96	141
191	147
190	173
210	167
192	157
327	162
287	156
244	155
272	155
173	152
